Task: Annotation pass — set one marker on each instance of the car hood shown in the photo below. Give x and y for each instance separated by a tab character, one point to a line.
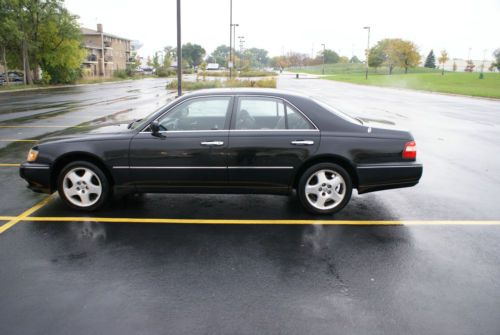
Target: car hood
91	132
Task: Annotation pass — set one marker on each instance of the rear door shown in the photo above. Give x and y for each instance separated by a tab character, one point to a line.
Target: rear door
191	152
268	141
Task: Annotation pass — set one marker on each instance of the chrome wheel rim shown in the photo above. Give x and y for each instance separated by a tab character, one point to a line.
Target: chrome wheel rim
325	189
82	187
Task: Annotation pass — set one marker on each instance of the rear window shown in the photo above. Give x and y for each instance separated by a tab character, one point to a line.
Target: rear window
337	112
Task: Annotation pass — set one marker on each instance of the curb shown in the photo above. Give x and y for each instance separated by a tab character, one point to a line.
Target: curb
67	86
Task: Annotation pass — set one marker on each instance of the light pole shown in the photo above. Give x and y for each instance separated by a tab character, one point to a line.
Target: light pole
234	43
179	50
242	40
367	51
230	39
324	49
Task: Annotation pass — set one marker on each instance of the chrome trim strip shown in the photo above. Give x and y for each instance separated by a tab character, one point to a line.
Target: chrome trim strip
172	167
186	131
261	167
36	167
389	166
276	130
204	167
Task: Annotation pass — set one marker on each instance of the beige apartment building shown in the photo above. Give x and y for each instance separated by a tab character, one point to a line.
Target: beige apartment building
106	53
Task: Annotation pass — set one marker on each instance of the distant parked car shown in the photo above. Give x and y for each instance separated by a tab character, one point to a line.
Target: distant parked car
15	77
229	141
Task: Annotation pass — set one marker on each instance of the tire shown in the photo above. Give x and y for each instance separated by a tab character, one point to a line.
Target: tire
83	186
324	188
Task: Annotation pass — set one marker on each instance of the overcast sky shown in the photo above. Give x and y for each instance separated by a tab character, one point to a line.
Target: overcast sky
301	25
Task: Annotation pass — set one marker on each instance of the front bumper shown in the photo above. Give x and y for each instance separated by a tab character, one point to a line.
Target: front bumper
37	176
377	177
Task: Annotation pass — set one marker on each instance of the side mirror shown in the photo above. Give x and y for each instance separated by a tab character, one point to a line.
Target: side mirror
155	129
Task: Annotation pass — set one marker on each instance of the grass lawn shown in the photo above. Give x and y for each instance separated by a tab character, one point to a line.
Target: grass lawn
451	82
419	78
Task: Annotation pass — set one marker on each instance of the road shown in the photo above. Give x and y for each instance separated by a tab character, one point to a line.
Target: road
86	277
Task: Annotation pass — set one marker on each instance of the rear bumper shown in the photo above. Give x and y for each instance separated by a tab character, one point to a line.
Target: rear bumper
37	176
377	177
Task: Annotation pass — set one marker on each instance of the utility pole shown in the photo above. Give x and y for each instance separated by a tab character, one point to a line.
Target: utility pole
367	52
230	39
324	49
234	46
242	40
179	50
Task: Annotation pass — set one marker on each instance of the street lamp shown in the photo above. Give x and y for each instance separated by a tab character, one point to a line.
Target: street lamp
179	50
367	51
234	42
230	38
324	48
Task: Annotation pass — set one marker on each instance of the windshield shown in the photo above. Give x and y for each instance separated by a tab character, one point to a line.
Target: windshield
337	112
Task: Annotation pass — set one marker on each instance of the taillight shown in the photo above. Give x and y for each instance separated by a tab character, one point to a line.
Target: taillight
410	150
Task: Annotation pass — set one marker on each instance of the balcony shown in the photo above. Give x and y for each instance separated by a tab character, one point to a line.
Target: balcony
91	59
108	59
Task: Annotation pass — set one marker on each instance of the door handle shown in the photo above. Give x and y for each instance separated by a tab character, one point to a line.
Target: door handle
212	143
301	142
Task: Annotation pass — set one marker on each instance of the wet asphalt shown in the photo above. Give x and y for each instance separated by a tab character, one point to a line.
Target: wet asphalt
137	278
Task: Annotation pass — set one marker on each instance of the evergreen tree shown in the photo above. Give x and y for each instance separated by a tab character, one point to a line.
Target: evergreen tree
430	61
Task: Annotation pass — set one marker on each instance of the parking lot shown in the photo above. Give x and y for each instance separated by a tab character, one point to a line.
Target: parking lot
419	260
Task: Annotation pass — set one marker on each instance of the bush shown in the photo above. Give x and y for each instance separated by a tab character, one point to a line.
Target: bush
199	85
120	74
164	72
256	73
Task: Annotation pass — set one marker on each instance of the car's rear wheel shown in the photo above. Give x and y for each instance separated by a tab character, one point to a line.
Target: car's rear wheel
324	188
83	186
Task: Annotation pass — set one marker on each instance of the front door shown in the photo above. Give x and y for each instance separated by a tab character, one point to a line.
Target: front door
268	141
191	151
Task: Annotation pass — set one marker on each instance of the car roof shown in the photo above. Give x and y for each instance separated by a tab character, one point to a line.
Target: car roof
246	91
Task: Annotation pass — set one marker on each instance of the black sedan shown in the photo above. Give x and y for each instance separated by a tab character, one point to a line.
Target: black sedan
228	141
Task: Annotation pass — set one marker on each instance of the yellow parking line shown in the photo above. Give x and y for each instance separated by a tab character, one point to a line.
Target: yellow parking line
7	218
262	222
13	140
25	214
5	164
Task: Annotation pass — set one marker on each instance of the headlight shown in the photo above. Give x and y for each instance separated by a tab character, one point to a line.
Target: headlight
32	154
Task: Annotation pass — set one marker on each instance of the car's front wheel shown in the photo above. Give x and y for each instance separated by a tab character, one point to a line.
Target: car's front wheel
83	186
324	188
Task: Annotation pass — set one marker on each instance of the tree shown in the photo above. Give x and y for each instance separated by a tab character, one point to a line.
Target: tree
392	53
405	54
256	57
376	56
496	54
155	63
354	60
330	56
443	58
343	60
430	61
42	35
220	55
193	54
203	68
